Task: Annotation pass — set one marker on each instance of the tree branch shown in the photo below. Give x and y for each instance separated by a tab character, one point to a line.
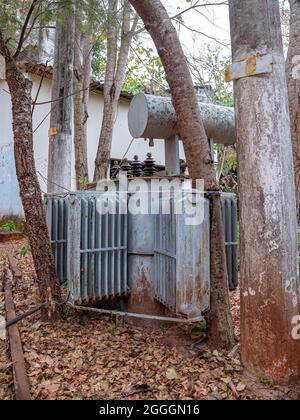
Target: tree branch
193	7
202	33
23	30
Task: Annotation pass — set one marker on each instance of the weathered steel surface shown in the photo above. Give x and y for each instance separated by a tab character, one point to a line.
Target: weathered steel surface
154	117
90	249
230	219
141	266
172	156
251	66
57	215
168	261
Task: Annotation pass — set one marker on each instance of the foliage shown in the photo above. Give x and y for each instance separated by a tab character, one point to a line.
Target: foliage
44	14
208	69
198	329
99	58
21	254
144	72
8	226
13	224
230	161
226	167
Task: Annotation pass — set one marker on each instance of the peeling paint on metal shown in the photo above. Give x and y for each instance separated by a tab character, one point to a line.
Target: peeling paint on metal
250	66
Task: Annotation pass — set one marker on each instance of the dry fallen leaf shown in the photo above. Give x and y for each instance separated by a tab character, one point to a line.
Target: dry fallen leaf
172	374
135	389
241	387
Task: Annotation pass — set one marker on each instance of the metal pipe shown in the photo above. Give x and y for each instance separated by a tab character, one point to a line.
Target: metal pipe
135	315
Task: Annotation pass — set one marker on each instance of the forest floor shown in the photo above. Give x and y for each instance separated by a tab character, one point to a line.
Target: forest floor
91	356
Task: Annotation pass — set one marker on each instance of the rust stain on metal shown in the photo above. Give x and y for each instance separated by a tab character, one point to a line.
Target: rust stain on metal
250	66
142	301
228	76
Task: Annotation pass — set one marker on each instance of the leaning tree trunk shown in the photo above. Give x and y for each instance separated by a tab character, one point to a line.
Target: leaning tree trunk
81	82
20	90
269	282
60	133
197	151
293	78
114	77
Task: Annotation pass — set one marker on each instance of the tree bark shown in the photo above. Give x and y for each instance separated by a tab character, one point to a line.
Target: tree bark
269	281
60	135
293	78
197	151
81	82
20	90
114	77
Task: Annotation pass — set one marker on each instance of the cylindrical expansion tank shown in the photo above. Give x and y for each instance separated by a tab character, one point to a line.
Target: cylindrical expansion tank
154	117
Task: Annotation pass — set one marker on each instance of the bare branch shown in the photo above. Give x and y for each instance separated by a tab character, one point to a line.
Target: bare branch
24	28
204	34
193	7
39	88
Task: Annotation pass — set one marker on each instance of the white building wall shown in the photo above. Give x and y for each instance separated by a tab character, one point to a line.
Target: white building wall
9	193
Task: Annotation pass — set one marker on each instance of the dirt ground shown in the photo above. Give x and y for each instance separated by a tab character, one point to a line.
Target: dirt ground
98	357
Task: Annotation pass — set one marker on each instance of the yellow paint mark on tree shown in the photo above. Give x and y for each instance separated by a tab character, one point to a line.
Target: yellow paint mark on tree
52	132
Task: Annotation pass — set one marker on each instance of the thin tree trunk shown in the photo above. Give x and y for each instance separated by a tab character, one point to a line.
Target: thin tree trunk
81	83
269	282
114	77
60	135
20	90
103	152
197	151
293	78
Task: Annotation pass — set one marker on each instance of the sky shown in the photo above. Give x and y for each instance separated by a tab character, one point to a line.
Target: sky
212	21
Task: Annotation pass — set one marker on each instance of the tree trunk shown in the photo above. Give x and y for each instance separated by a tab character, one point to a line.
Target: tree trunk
293	78
20	90
114	77
269	282
81	83
197	150
60	133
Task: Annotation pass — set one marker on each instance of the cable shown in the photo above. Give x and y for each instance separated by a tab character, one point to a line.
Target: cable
135	315
53	183
127	150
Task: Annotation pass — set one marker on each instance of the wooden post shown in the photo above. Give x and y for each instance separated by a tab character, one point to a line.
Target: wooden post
269	281
19	369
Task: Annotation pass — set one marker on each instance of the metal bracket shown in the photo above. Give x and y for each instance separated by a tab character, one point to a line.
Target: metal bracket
250	66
